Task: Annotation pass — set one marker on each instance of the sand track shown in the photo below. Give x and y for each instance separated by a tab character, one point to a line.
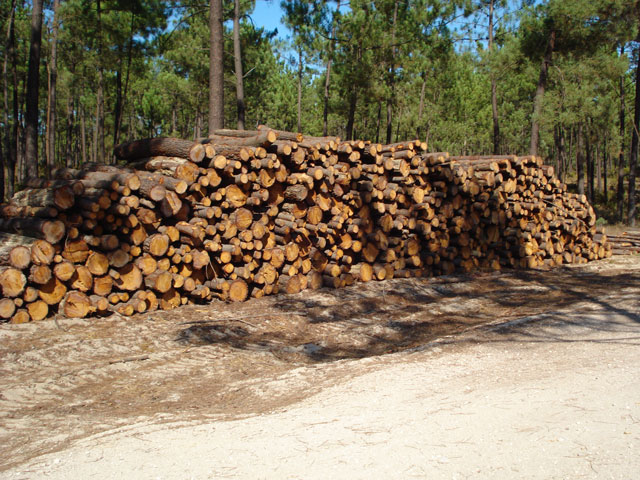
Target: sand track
486	365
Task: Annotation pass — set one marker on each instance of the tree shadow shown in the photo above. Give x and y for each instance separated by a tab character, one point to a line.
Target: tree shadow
375	318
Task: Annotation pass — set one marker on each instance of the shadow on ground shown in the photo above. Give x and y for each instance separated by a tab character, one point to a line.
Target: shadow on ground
378	318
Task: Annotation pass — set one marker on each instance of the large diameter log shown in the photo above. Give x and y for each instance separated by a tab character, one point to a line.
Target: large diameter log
20	257
261	138
161	146
38	310
76	305
129	278
170	299
64	270
82	279
97	263
238	290
12	282
52	292
39	274
61	197
156	244
160	281
42	252
9	241
51	230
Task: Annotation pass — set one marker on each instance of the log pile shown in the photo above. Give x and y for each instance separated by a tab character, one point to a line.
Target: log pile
247	214
626	243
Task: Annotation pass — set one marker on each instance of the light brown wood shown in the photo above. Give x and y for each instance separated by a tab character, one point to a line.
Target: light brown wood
76	305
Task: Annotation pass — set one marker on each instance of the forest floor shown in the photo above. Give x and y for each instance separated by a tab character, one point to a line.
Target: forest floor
532	374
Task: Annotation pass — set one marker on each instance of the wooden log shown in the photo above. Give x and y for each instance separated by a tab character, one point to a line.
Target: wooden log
50	230
82	279
238	290
156	244
129	278
38	310
21	316
170	299
19	257
76	305
39	274
161	146
97	263
61	197
261	138
102	286
160	281
7	308
12	281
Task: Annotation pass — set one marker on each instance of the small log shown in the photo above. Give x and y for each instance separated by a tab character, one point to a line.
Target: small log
21	316
7	308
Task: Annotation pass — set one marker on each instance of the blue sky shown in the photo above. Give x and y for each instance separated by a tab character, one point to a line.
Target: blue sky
267	14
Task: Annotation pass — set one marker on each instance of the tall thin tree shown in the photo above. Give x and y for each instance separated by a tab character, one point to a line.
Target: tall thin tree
620	188
237	63
633	156
51	105
10	136
33	86
216	71
494	87
539	97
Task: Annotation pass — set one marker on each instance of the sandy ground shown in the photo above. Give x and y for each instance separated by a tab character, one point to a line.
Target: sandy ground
510	375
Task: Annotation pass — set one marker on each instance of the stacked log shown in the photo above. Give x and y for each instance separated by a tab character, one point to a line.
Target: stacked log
625	243
247	214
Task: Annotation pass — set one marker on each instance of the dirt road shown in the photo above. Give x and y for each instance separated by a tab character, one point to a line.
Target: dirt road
510	375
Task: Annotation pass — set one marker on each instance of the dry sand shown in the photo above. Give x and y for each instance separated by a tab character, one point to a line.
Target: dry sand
551	394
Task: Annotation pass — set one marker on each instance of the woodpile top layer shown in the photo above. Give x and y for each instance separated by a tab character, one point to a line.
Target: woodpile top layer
249	213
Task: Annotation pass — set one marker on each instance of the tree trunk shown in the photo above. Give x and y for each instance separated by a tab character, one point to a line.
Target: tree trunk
83	136
605	170
118	108
379	122
494	95
353	100
120	95
33	90
589	162
620	186
633	157
99	134
51	107
69	139
299	89
598	171
10	150
216	70
580	159
237	57
392	73
537	100
327	80
421	104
